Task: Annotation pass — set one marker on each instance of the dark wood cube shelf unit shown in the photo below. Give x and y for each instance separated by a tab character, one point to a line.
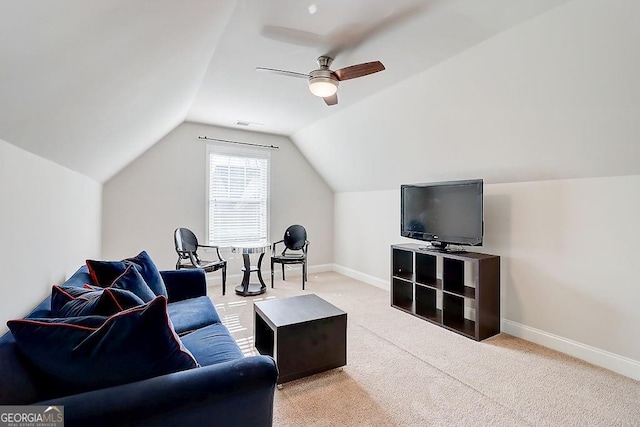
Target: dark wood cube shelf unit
459	291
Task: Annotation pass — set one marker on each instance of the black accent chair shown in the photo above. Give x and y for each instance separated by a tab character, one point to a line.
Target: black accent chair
187	245
295	241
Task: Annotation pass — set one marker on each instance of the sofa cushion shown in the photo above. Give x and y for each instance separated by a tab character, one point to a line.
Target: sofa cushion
131	280
20	383
212	344
91	352
103	273
71	301
191	314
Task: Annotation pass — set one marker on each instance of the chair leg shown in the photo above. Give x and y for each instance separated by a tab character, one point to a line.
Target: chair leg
272	273
282	271
304	273
224	279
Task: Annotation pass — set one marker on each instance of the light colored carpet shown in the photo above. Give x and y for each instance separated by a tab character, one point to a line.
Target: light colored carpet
403	371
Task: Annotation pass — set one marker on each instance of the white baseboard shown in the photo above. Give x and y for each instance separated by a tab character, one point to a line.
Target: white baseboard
614	362
366	278
296	270
320	268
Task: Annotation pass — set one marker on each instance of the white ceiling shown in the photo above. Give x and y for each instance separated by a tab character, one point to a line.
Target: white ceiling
93	84
407	36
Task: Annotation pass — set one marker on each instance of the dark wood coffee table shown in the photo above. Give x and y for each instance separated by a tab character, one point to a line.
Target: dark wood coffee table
304	334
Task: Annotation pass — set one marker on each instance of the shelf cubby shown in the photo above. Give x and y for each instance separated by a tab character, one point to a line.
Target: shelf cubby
402	294
454	315
453	275
403	264
426	270
426	303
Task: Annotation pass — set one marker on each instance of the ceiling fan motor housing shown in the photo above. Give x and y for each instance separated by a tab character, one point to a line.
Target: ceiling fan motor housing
323	83
324	61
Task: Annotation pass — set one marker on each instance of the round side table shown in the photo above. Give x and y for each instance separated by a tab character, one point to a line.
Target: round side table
246	288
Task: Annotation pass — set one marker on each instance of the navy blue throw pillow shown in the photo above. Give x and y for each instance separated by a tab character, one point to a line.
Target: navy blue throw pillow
93	352
103	273
131	280
72	301
149	272
122	298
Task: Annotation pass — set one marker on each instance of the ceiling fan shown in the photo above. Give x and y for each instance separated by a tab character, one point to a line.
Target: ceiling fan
323	82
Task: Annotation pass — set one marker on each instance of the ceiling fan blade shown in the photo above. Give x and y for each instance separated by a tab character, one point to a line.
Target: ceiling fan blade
348	36
283	72
359	70
331	100
353	34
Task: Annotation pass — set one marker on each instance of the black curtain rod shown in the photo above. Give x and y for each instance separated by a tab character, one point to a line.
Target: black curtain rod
275	147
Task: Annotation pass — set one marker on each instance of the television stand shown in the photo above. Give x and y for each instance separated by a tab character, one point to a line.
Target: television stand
457	291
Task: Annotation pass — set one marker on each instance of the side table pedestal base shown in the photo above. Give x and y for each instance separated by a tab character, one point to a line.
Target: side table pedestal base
252	290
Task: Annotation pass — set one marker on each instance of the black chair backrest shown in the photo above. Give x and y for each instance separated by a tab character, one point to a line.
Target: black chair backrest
295	237
185	241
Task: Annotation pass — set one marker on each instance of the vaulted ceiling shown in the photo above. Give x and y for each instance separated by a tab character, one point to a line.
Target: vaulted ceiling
509	90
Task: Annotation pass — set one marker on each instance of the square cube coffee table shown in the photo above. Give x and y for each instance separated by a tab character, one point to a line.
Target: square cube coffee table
304	334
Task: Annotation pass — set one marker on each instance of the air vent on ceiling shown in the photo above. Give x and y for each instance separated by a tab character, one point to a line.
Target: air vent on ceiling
247	123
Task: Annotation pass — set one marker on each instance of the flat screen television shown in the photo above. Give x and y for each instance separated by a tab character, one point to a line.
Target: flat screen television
443	213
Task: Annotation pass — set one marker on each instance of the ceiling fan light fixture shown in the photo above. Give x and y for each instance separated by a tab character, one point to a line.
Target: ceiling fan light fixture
322	82
323	86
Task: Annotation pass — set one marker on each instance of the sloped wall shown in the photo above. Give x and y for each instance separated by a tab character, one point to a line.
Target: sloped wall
165	188
556	97
50	219
118	75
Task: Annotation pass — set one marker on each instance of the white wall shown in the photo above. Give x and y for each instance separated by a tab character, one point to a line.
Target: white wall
165	189
568	259
366	224
50	219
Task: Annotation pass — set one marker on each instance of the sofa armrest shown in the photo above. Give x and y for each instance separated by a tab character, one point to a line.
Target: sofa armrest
184	284
234	393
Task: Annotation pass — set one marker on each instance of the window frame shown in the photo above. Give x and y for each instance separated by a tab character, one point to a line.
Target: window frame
224	150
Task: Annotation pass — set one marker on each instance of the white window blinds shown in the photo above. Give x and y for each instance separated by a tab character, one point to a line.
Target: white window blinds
238	192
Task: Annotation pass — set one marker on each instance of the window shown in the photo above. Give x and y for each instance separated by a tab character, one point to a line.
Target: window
238	196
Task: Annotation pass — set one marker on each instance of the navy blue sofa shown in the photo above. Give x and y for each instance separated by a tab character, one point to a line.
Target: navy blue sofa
227	389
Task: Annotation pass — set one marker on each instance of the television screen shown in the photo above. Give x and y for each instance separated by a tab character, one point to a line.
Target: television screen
443	212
